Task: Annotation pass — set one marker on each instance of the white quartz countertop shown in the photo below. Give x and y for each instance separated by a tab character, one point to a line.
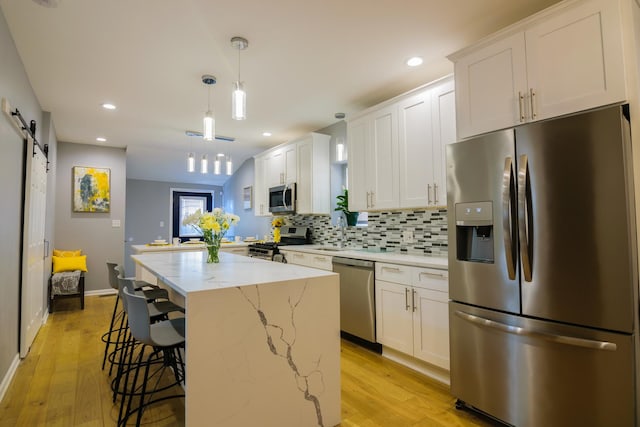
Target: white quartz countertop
187	271
183	247
440	263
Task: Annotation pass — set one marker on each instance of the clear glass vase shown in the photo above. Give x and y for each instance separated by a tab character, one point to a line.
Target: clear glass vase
212	252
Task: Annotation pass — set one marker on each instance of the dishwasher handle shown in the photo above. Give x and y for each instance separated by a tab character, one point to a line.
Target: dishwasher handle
353	262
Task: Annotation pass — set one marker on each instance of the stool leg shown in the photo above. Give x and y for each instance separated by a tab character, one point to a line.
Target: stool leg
121	338
108	342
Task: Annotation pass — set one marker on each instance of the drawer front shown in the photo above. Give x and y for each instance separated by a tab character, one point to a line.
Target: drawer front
297	258
322	262
394	273
430	278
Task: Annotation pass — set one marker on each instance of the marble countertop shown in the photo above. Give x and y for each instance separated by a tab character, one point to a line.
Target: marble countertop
183	247
187	271
440	263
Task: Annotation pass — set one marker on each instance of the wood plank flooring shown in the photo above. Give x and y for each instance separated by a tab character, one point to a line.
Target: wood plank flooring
60	383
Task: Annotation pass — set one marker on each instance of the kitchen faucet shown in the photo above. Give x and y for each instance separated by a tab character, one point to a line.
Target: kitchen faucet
341	224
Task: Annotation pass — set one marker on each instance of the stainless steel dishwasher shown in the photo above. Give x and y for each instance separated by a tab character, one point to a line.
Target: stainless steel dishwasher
357	297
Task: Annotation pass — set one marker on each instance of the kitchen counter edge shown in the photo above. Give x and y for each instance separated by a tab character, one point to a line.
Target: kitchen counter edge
439	263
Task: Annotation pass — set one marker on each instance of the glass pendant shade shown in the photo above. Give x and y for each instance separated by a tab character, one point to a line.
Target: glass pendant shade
191	163
209	126
229	166
204	164
216	166
238	102
341	152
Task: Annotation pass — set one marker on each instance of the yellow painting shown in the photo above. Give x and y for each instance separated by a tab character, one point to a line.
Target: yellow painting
91	189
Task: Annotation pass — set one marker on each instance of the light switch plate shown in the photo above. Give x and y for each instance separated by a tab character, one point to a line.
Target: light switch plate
115	223
407	236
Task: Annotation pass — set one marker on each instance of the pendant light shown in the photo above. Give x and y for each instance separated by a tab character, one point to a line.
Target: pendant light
216	164
204	164
239	96
191	162
229	166
209	120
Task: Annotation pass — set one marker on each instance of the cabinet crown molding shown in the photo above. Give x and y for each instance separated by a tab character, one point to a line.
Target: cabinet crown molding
514	28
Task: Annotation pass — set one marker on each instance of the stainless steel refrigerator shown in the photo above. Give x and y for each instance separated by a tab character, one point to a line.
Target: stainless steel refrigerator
542	272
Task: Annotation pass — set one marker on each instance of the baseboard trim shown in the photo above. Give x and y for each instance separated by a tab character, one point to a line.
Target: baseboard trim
6	381
431	371
100	292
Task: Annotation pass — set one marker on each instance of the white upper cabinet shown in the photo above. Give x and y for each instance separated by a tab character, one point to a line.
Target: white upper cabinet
304	162
281	165
313	176
575	59
488	84
260	188
384	137
443	112
396	154
415	150
566	59
358	153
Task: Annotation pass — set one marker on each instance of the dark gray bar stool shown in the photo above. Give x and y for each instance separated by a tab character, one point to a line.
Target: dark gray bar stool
164	339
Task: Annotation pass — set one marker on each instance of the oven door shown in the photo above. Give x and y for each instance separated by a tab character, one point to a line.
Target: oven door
282	199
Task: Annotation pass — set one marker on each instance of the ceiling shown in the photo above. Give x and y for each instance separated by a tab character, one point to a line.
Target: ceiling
306	61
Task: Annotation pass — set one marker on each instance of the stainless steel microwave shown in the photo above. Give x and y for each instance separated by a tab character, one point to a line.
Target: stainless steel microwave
282	199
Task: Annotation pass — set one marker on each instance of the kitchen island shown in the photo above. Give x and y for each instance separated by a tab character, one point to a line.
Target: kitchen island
263	339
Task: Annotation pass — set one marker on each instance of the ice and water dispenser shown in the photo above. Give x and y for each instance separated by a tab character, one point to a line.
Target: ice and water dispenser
474	232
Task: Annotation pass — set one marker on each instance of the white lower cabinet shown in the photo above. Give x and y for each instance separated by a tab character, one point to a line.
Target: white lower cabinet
412	313
242	250
322	262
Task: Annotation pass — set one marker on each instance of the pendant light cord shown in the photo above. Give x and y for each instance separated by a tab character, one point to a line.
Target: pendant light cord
239	63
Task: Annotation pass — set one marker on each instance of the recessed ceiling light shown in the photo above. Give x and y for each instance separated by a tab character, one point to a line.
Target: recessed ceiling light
414	62
101	139
266	133
220	154
108	106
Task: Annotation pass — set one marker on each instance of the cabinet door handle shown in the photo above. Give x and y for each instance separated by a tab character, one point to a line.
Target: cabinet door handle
368	199
435	193
413	300
406	299
521	106
429	194
392	269
532	99
437	275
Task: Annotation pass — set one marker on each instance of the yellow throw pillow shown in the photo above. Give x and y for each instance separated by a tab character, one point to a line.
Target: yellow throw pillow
69	263
61	253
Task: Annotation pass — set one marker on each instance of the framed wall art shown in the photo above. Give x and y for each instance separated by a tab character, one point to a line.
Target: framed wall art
91	189
246	197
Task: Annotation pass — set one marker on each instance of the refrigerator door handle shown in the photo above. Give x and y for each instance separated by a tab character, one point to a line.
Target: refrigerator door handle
507	199
516	330
524	222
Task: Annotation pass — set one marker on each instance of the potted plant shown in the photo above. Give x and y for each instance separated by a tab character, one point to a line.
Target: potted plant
343	206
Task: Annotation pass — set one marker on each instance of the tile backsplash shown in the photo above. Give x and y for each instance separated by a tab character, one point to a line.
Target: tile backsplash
385	230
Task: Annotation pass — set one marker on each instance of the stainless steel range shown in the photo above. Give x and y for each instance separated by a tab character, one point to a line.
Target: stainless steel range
289	235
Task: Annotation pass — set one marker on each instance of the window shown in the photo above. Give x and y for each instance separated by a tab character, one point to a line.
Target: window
185	204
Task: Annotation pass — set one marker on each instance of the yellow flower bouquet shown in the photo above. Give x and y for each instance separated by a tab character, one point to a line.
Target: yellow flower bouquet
213	226
276	224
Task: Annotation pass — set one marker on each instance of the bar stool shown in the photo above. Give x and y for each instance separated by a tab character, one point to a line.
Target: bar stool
165	339
157	311
117	317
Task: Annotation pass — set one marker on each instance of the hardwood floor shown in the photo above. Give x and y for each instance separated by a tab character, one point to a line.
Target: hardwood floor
60	383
